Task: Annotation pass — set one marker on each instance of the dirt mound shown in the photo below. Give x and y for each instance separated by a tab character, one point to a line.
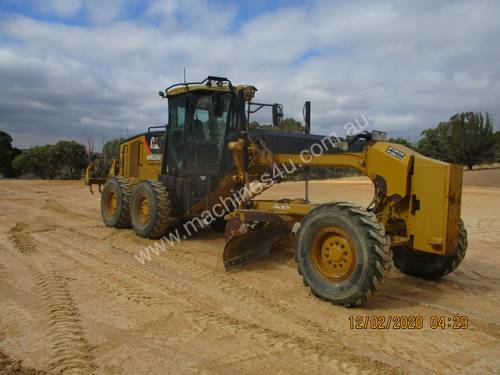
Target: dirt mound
482	177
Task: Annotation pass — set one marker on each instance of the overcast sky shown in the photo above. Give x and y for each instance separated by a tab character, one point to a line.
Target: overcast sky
73	69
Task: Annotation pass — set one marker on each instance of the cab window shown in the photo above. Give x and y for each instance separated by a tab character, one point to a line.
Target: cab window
176	119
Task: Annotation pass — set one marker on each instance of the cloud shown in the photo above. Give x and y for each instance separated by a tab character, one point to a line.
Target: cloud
99	11
405	66
62	8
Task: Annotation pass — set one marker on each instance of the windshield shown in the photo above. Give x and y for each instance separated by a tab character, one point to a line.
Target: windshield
211	112
210	116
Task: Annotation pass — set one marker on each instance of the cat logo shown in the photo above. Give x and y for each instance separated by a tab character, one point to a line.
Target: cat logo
154	144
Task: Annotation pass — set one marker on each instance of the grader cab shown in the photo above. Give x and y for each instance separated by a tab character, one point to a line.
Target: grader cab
207	166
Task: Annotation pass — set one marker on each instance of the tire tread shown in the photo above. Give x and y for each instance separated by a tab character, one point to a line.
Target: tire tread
164	199
378	242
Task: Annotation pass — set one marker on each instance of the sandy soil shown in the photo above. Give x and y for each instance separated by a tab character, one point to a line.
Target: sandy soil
74	299
487	177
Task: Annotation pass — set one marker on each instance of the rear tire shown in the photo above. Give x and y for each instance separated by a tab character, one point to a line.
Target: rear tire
115	201
343	253
150	209
430	266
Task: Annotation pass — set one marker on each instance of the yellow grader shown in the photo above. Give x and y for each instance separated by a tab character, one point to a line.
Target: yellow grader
203	167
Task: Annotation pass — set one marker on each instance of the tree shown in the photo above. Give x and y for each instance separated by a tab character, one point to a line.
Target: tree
110	151
65	159
402	141
466	138
38	160
7	155
70	158
287	124
434	143
497	147
471	138
291	125
102	161
257	125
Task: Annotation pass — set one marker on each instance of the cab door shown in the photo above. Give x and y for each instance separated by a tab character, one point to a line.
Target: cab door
195	140
176	139
207	130
135	158
205	141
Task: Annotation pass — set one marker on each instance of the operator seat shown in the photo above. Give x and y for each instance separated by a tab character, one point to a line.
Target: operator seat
197	132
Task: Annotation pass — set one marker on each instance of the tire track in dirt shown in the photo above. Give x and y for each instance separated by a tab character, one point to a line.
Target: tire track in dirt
231	287
125	291
314	355
227	286
311	352
118	274
56	207
69	351
248	296
487	229
9	366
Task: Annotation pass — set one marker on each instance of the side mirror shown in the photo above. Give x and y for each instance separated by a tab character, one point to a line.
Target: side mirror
277	114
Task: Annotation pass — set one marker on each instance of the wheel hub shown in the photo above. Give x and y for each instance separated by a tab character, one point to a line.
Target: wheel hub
143	210
112	203
333	253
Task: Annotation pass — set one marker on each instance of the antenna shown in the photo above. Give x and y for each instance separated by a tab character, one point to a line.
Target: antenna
184	75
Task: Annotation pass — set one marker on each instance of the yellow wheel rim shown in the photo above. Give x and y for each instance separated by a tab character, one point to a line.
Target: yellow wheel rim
143	210
333	254
111	203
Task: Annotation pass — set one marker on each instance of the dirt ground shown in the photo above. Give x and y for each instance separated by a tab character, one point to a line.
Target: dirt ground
74	299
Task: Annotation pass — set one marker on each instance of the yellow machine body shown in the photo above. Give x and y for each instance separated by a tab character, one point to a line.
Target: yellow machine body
423	192
420	198
137	161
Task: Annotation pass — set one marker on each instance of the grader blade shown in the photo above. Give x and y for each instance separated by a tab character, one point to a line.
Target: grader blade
249	244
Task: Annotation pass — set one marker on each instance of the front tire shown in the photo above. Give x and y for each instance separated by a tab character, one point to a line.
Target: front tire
150	209
343	253
430	266
115	200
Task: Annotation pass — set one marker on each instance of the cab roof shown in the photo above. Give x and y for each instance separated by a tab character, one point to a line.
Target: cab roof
183	89
209	84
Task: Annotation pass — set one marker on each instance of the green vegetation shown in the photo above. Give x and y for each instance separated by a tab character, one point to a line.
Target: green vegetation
466	138
287	125
65	159
102	160
7	155
497	147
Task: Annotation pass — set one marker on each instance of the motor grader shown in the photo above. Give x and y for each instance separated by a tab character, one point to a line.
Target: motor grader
207	159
